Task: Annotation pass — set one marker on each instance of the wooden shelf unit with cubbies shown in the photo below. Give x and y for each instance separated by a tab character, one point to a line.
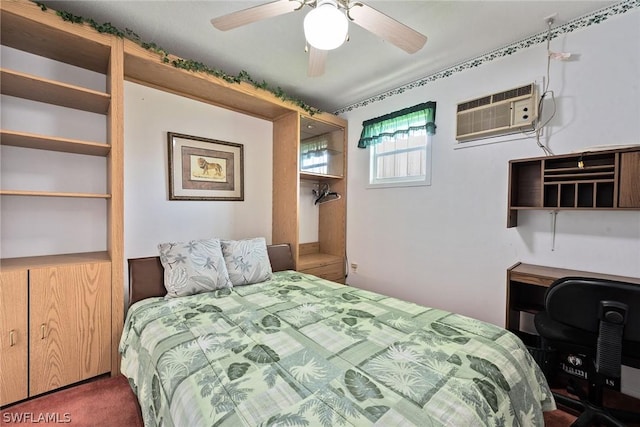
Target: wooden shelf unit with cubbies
607	179
50	343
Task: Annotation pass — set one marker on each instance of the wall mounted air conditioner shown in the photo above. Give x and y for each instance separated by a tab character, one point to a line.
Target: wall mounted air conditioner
510	111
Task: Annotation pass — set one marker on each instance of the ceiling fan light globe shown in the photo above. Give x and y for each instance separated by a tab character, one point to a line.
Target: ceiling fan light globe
326	27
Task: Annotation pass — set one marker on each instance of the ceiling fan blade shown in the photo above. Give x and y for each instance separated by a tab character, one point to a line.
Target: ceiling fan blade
255	13
317	60
387	28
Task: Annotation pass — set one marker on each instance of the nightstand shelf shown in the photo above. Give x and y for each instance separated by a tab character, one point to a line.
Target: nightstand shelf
326	266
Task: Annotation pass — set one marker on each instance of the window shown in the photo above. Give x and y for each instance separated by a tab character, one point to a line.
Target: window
400	146
401	160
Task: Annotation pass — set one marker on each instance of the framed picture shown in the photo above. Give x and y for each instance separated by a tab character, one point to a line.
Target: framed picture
204	169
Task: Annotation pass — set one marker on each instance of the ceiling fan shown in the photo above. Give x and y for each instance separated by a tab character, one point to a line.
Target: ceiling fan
326	25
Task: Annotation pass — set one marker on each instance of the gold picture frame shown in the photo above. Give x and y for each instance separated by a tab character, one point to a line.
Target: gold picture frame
205	169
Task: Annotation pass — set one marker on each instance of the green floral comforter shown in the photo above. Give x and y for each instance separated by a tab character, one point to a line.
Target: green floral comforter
301	351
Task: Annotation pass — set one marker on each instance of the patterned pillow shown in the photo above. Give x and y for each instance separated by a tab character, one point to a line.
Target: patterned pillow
193	267
247	260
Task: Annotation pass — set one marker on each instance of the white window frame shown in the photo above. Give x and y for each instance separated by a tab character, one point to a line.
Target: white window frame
413	181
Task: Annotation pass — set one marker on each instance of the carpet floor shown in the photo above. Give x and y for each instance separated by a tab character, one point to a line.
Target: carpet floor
110	402
99	403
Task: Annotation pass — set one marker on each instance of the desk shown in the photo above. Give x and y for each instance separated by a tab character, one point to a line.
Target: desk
527	284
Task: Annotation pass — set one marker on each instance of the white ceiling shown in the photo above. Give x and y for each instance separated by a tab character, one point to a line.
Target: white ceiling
273	50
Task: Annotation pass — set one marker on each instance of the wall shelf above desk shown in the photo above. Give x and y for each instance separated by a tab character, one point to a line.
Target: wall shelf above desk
603	180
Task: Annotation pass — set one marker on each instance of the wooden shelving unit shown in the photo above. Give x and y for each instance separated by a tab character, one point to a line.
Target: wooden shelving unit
62	300
608	179
326	257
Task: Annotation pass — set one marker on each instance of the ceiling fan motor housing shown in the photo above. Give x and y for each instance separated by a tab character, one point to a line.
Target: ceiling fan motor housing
326	26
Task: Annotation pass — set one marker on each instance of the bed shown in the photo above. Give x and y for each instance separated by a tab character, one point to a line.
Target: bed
297	350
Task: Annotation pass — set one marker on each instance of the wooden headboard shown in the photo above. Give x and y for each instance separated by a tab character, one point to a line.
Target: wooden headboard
146	275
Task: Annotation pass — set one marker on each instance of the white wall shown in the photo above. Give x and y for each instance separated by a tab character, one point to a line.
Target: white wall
150	217
309	213
447	245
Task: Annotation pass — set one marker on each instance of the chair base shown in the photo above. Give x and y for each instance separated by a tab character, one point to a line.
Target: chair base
591	414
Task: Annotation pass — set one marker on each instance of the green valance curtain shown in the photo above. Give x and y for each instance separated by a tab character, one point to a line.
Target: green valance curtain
407	120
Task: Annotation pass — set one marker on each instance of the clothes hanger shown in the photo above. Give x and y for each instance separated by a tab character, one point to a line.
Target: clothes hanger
325	194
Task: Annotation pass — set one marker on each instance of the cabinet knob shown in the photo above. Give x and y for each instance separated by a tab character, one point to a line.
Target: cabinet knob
12	338
43	329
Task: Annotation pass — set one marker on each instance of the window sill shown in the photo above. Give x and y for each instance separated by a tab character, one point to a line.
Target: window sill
423	183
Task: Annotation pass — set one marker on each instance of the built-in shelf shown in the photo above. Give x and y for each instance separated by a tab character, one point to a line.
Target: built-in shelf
311	149
78	279
52	143
603	180
310	176
30	30
306	262
53	194
322	150
53	260
39	89
149	68
327	266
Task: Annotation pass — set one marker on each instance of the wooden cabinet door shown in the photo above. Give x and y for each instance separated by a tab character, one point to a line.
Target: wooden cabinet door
70	324
13	336
629	180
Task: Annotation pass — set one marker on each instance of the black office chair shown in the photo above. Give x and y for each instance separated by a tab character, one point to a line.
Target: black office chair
595	324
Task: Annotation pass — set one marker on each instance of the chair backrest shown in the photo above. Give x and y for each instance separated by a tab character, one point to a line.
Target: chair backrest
577	302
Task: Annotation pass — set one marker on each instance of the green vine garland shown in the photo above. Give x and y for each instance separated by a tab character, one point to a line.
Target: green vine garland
184	64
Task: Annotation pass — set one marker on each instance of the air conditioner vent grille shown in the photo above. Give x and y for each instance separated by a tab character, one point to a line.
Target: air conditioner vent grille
486	100
513	93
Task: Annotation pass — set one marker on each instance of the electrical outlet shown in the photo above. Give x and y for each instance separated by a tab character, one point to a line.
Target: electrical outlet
354	267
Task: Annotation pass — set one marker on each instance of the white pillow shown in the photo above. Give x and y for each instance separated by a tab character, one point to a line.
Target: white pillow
247	260
193	267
